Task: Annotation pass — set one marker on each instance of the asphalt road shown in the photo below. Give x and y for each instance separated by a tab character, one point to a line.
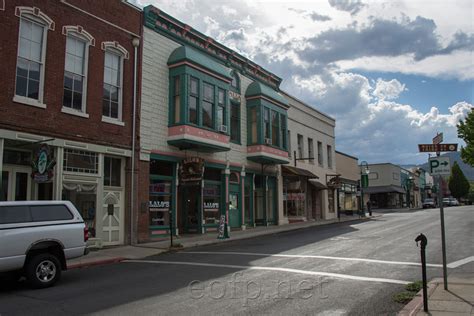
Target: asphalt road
341	269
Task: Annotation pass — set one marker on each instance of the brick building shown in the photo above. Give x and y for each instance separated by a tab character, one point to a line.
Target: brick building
67	106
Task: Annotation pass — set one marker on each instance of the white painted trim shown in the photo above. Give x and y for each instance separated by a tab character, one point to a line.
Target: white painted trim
297	271
28	101
78	31
2	8
74	112
37	14
109	120
114	45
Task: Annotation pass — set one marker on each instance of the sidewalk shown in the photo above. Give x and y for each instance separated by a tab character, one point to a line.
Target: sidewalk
457	301
116	254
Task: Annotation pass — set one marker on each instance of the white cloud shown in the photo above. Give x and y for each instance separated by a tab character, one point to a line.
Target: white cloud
388	90
458	65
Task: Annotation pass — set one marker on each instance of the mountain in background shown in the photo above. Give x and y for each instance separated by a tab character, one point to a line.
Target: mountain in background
454	156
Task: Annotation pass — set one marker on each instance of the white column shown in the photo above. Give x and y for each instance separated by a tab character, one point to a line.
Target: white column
59	173
281	216
242	198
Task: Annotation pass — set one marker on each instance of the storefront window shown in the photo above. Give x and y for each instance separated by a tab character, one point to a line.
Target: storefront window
84	198
294	199
247	199
211	205
160	202
81	161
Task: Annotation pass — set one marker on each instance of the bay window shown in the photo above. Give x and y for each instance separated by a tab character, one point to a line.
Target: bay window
193	100
177	99
208	106
221	112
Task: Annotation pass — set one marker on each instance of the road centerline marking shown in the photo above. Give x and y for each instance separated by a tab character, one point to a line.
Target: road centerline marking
432	265
297	271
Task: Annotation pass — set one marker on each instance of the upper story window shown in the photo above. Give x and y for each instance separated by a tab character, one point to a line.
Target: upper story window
193	100
208	106
75	69
221	108
199	88
275	129
112	99
300	146
253	125
310	150
74	74
320	154
31	55
235	122
177	99
289	144
283	130
112	93
266	124
235	84
329	149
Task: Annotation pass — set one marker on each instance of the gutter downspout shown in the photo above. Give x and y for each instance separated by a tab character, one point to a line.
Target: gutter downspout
135	43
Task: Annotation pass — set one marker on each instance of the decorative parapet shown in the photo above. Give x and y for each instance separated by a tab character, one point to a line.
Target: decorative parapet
161	22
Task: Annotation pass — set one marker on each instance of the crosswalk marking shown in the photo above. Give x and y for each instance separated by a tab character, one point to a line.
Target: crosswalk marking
298	271
432	265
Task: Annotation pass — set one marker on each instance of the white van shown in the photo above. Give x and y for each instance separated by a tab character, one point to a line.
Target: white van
37	237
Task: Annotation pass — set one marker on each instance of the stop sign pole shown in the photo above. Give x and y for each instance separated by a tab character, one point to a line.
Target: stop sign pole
438	148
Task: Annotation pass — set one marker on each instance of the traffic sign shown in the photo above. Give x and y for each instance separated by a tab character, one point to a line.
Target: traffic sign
440	166
438	139
437	147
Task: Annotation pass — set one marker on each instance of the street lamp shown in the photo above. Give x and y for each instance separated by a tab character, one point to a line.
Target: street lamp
364	181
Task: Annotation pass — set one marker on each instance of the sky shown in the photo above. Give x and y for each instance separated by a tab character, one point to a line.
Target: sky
392	73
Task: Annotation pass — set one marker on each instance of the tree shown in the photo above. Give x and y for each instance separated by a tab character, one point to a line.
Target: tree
470	195
458	184
466	132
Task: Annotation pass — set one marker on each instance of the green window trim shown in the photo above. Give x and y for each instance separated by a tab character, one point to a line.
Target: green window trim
257	113
188	75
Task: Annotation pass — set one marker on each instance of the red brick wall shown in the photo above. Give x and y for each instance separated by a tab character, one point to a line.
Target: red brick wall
51	121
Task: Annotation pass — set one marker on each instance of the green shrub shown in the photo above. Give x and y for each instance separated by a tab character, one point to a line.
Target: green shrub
404	297
414	287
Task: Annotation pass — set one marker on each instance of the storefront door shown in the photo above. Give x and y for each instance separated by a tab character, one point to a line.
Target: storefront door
234	210
190	215
16	183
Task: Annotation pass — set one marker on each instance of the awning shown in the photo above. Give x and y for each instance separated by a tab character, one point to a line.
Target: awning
384	189
317	184
294	171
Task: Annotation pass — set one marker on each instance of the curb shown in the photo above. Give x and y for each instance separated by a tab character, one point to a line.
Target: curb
416	304
95	263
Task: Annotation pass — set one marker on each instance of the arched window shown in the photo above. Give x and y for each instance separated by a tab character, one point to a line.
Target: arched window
113	82
234	177
75	70
31	57
235	84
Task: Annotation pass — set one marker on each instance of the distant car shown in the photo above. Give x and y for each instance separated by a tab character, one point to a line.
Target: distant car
453	202
450	202
429	203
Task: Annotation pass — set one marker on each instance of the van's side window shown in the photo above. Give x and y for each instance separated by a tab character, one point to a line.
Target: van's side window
43	213
14	214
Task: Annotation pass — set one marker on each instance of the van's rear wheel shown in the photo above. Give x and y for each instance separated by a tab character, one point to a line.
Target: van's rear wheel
43	270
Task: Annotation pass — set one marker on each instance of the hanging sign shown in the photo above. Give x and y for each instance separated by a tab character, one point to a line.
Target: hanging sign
191	169
43	165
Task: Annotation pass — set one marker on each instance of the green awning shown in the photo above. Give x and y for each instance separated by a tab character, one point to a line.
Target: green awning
258	89
186	53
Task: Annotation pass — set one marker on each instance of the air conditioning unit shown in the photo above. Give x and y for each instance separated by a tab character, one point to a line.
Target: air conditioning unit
223	129
268	141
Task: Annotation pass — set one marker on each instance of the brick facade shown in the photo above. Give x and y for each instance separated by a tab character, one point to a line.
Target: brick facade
51	121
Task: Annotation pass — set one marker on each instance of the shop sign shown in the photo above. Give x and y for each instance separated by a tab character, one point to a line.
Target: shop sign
234	96
158	206
43	165
192	169
211	206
